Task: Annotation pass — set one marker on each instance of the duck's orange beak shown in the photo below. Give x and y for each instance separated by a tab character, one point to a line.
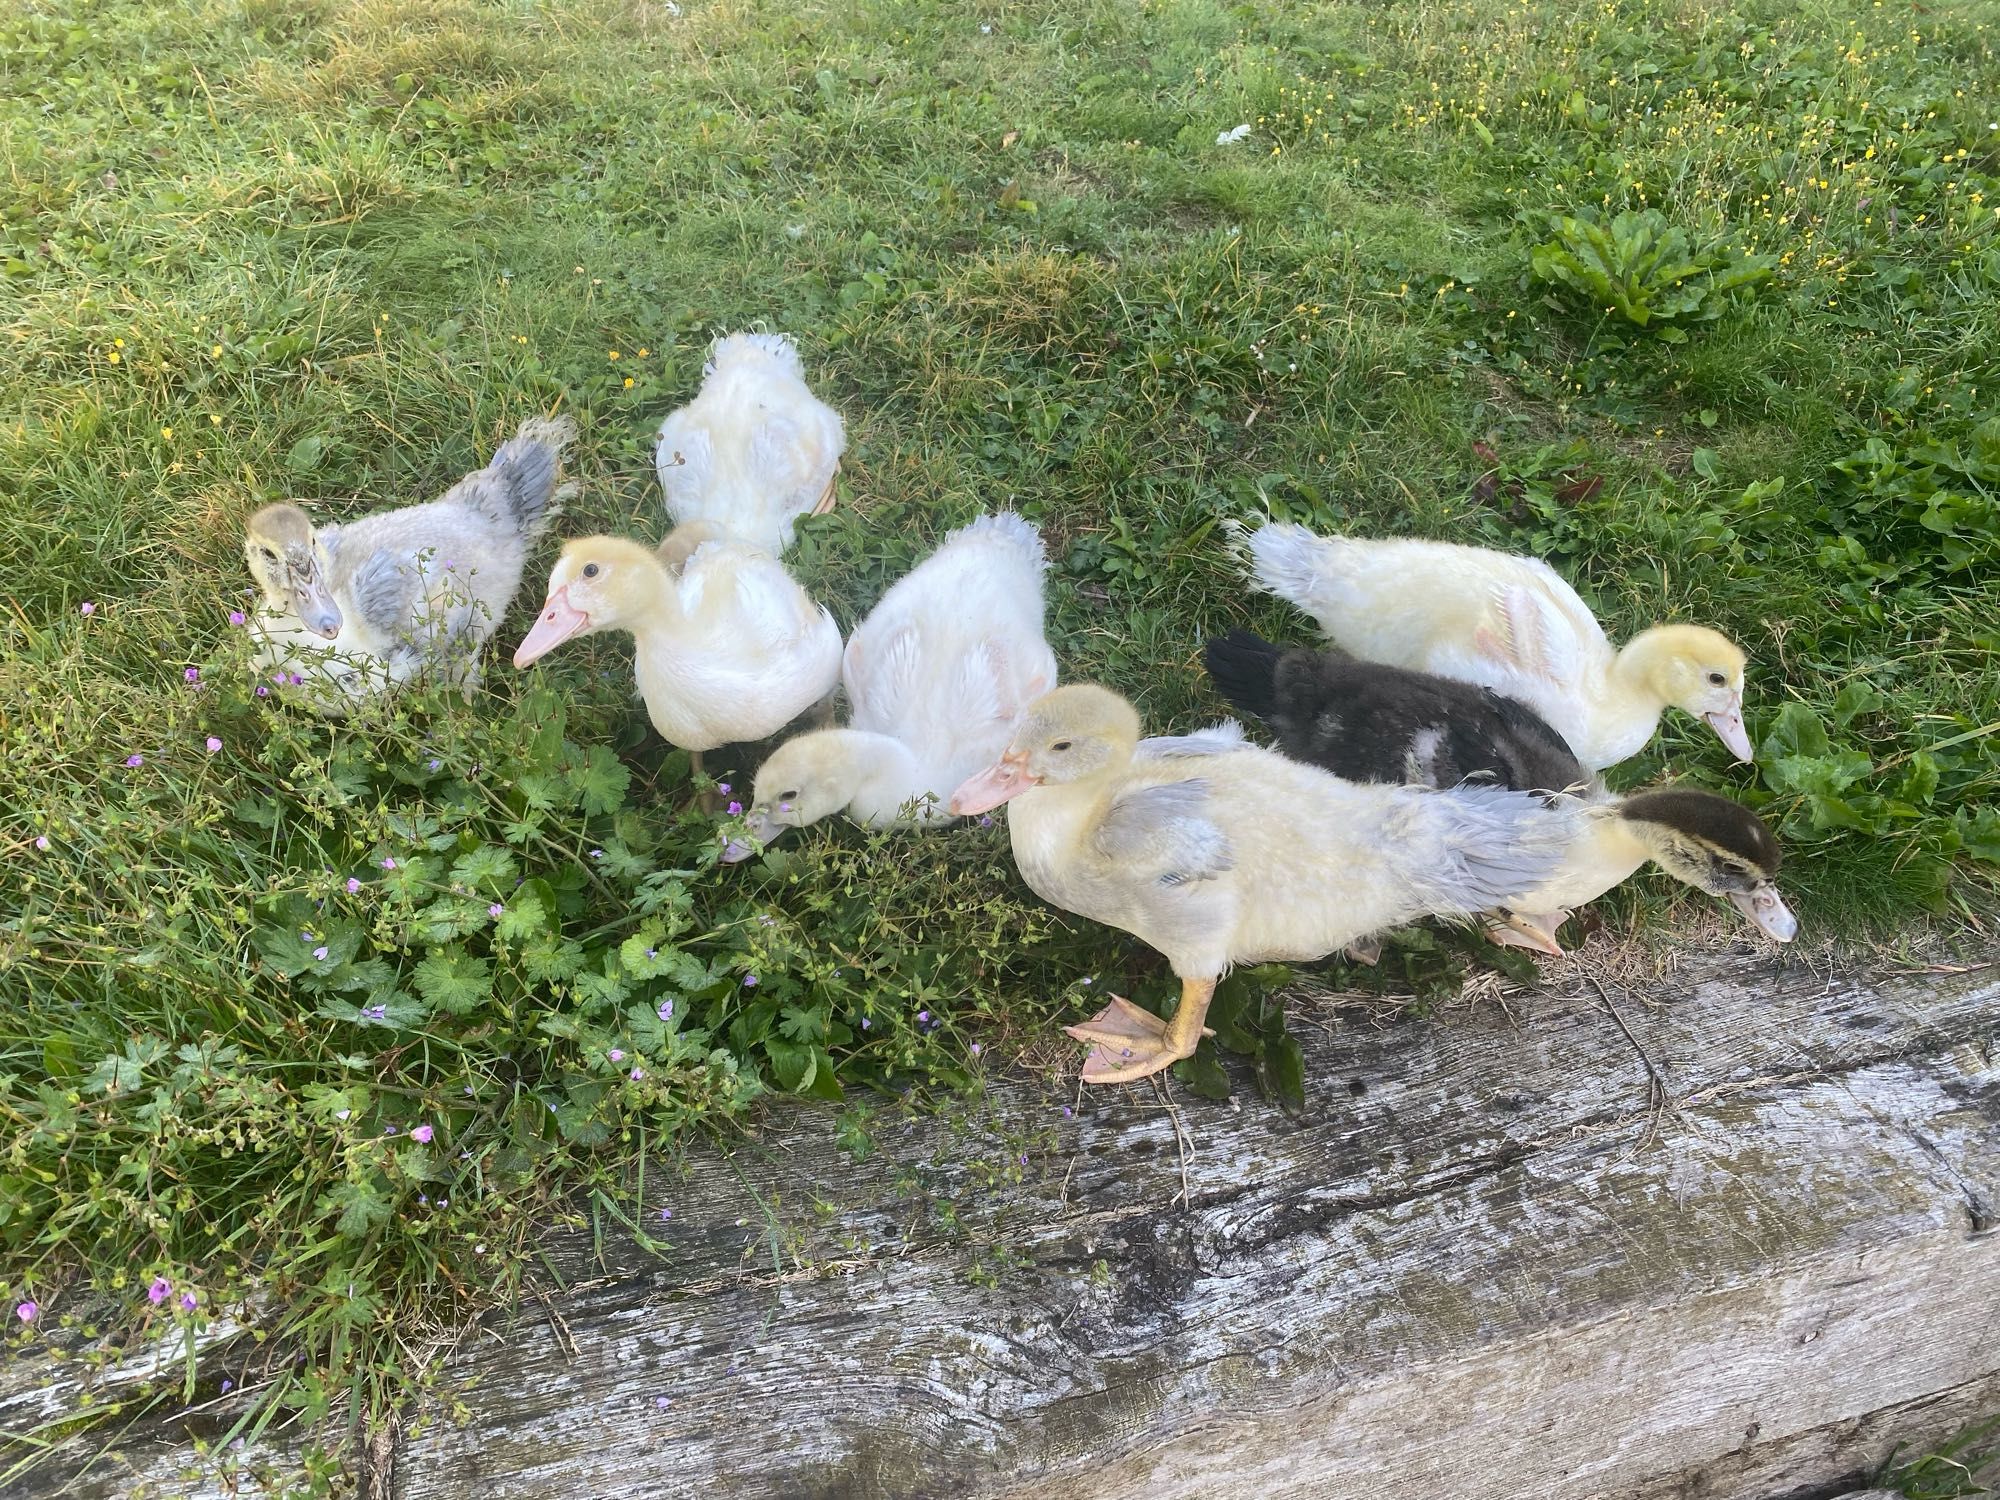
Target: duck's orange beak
558	622
993	786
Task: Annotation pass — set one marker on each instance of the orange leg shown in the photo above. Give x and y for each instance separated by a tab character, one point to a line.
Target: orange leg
1126	1042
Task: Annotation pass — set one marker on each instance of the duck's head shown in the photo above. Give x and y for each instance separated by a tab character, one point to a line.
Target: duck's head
1718	846
290	566
805	779
1069	735
1699	670
599	583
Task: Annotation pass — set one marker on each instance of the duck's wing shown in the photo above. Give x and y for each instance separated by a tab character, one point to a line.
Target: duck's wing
1526	633
685	459
384	588
1163	833
1217	739
750	591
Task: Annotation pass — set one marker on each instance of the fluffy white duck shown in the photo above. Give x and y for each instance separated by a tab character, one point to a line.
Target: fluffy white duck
728	648
936	677
1217	852
360	606
755	449
1508	623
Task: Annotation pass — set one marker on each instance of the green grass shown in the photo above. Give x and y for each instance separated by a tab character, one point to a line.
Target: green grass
336	251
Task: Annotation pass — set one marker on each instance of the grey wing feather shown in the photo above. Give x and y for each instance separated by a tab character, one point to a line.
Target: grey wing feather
384	590
1217	739
1496	845
515	488
1165	831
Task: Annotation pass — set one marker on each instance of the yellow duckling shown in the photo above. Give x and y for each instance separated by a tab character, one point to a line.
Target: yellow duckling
727	650
1508	623
1217	852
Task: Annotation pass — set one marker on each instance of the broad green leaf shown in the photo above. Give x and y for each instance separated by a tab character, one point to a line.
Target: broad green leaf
454	980
359	1207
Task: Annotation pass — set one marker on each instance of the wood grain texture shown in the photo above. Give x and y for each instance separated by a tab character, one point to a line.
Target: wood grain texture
1500	1255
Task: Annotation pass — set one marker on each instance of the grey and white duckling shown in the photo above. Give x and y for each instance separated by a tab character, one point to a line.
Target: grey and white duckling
1370	722
756	449
358	607
1217	852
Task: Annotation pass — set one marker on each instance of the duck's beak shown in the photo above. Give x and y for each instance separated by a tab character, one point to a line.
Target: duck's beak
993	786
1767	909
557	624
1728	726
757	825
317	609
1532	930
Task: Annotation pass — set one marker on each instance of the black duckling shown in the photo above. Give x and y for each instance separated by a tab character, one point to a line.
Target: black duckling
1369	722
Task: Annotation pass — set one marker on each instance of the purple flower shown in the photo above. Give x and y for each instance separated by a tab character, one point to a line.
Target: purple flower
42	843
666	1010
319	954
189	1301
262	691
986	822
192	674
765	919
296	680
135	761
495	910
278	678
391	1130
666	1214
159	1291
435	762
388	864
353	886
866	1024
660	1403
227	1386
211	744
236	617
616	1054
637	1074
87	609
422	1135
652	953
923	1018
375	1012
749	981
1068	1113
736	809
597	854
976	1049
1089	981
722	787
27	1312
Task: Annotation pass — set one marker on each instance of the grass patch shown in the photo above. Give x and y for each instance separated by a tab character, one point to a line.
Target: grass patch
336	251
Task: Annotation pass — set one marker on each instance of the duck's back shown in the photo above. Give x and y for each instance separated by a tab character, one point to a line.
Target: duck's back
755	449
954	650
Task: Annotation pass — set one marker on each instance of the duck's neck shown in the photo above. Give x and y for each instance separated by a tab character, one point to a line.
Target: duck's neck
1627	709
1608	850
657	619
883	777
1046	824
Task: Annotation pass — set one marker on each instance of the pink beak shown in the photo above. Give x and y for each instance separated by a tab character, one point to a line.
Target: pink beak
1767	909
558	623
993	786
1728	727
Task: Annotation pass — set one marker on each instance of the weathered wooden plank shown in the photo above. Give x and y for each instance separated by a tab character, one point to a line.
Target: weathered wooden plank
1495	1258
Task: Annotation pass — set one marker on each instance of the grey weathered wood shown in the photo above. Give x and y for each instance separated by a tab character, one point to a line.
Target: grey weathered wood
1494	1259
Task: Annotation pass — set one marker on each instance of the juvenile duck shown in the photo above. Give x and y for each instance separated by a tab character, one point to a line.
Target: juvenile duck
936	677
1369	722
376	601
1508	623
727	650
1216	853
755	449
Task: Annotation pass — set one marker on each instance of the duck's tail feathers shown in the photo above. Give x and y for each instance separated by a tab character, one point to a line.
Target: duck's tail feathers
1480	847
1290	561
1006	530
518	487
1244	668
744	348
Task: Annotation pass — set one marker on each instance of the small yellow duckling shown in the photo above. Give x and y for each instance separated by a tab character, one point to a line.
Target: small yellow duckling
1216	852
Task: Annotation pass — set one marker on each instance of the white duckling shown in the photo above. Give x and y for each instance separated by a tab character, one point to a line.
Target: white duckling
936	677
373	602
755	449
1508	623
729	649
1216	852
1370	722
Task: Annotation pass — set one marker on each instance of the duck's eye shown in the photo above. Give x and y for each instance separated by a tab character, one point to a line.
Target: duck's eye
269	555
590	570
1716	679
1060	745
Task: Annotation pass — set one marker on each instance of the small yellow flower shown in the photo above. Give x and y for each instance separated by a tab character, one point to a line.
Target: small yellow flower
114	356
118	343
613	354
215	352
520	338
644	352
214	419
628	382
167	433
